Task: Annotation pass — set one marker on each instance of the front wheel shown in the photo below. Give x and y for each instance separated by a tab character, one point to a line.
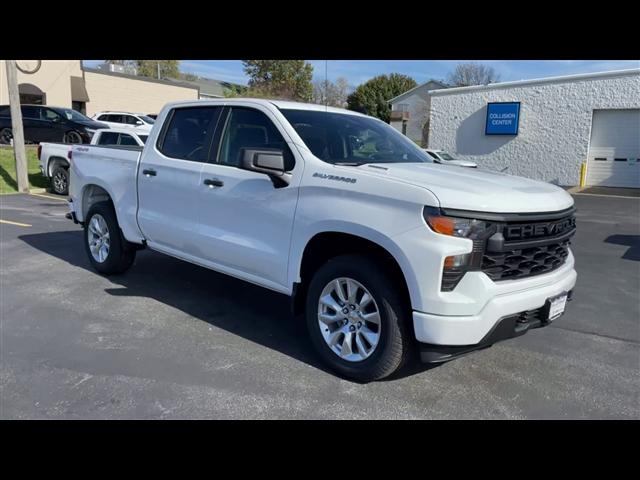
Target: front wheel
356	318
108	251
72	137
60	180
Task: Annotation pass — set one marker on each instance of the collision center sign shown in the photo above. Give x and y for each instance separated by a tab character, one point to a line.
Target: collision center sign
502	118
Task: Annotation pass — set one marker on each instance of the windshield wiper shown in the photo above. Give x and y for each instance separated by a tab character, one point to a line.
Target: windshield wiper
350	164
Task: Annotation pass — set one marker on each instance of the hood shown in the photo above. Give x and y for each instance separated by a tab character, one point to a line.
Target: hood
479	190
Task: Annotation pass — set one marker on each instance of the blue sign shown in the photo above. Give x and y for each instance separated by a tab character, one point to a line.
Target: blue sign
502	118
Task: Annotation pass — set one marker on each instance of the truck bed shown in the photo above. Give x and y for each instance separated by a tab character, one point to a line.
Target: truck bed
115	171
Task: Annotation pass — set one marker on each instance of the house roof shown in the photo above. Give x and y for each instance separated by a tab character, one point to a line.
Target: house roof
179	83
210	87
535	81
408	92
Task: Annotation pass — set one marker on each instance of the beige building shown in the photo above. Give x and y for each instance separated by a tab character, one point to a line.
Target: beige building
65	83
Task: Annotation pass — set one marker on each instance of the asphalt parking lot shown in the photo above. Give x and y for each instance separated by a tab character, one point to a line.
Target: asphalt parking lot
172	340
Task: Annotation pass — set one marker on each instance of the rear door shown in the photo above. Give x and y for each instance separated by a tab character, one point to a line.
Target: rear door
31	124
53	125
113	120
169	180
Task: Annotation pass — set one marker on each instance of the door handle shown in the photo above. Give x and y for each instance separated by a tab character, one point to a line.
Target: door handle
149	172
213	182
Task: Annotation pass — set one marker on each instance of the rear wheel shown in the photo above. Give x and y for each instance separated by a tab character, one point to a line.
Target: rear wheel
60	180
6	135
108	251
356	318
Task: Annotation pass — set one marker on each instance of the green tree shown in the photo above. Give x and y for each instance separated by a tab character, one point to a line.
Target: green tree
372	97
149	68
286	79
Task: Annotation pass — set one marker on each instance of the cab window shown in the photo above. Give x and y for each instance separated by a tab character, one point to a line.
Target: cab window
127	140
249	128
108	138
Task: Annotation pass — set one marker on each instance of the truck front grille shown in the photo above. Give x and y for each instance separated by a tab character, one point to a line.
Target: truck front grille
525	262
508	259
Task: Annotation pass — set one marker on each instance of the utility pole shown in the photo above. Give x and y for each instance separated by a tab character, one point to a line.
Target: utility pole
158	70
16	127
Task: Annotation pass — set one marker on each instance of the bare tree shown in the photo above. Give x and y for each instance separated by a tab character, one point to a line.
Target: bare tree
333	94
472	73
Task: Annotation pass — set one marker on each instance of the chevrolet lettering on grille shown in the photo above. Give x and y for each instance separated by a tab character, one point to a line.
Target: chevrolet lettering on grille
533	230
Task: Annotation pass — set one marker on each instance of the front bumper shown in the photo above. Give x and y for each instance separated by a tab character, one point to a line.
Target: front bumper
507	327
470	332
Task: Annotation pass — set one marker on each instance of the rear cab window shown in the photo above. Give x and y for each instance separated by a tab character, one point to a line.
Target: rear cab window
108	138
188	133
127	140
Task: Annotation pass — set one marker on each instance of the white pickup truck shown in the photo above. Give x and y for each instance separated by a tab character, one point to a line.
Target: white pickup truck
55	157
383	250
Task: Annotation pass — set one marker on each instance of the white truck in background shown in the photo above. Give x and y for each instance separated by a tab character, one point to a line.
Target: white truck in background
55	158
383	250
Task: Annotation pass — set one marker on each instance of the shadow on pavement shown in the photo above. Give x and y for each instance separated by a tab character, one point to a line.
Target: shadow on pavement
631	241
241	308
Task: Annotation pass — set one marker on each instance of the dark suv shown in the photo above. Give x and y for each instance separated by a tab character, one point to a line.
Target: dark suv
42	123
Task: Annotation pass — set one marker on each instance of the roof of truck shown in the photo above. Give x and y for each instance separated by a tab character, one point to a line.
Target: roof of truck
128	131
281	104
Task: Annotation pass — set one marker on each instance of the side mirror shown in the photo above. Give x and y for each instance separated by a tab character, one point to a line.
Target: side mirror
266	160
139	122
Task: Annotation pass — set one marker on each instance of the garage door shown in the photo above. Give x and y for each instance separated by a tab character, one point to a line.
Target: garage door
614	150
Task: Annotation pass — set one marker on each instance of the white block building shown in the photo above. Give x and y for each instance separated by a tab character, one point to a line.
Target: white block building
563	122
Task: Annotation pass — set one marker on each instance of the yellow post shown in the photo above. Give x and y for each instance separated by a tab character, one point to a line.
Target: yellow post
583	174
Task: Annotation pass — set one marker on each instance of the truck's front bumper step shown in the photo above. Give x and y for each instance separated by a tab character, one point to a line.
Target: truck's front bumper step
506	328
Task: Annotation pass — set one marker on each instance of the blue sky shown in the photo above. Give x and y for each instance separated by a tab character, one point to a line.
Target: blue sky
359	71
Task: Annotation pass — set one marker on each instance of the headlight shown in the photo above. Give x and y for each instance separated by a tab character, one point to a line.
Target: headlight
454	226
478	231
90	131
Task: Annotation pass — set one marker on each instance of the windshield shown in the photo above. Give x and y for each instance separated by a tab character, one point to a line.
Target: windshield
146	119
341	138
73	115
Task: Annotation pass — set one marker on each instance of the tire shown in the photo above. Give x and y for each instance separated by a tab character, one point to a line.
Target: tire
60	180
72	137
119	254
5	136
392	349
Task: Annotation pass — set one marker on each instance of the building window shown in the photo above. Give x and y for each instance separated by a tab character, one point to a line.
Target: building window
404	127
402	107
79	107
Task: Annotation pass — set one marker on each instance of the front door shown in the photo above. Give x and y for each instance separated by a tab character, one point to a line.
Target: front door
169	180
246	221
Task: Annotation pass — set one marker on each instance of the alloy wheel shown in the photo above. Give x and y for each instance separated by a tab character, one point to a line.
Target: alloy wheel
98	238
349	319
